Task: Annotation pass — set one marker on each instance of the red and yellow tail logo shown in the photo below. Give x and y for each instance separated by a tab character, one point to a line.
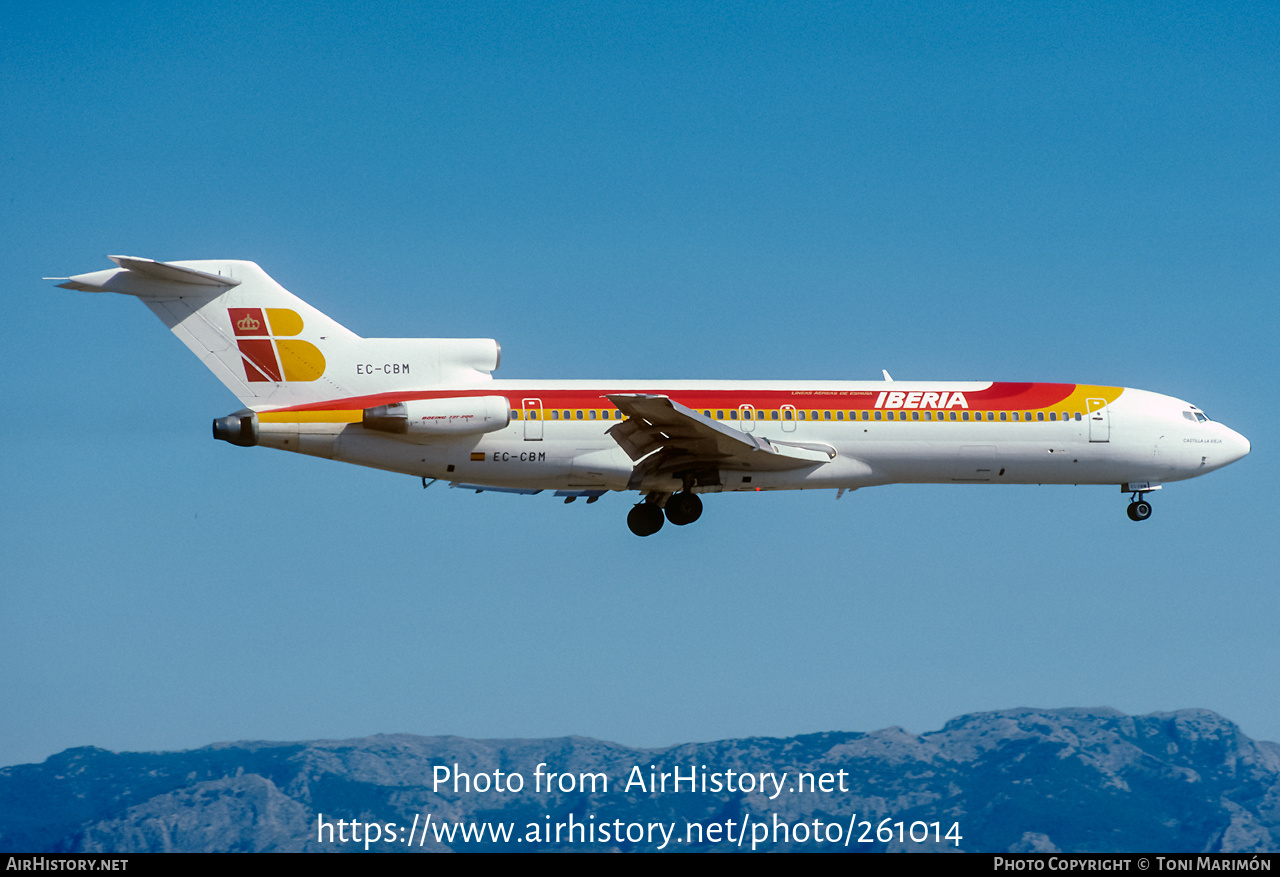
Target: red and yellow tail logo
269	354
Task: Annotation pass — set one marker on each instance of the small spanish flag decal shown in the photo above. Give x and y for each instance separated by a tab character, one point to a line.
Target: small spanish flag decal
477	456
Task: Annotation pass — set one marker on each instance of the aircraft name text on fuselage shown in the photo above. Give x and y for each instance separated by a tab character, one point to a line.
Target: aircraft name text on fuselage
920	399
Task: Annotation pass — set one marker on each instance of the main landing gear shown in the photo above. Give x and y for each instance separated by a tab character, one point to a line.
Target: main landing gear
684	508
646	518
1139	509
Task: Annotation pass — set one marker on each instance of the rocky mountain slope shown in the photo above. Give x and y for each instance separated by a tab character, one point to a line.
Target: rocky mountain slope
1016	780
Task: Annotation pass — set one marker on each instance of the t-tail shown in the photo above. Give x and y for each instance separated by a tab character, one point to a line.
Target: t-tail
272	349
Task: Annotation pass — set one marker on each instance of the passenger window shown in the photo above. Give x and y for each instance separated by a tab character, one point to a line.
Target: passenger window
733	414
839	415
1077	415
555	415
515	414
746	413
1039	415
826	415
928	415
787	414
1053	415
1004	415
578	414
878	415
953	415
592	414
915	415
719	415
815	414
773	415
800	415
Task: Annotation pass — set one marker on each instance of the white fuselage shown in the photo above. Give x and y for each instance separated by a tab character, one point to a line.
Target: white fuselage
558	439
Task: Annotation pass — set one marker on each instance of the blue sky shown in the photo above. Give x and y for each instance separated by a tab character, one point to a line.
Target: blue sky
1056	192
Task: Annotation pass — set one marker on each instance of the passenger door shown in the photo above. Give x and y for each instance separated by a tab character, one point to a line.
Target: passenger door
532	420
1099	420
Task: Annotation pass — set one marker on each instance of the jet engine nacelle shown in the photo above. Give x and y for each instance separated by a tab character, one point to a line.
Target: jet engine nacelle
240	428
459	415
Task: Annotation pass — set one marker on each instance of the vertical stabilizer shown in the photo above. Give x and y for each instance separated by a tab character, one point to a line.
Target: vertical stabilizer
272	349
264	343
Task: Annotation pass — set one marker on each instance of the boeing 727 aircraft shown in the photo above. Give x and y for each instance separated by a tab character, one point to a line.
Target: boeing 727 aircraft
430	408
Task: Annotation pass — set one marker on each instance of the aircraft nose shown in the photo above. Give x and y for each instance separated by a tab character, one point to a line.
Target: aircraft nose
1236	446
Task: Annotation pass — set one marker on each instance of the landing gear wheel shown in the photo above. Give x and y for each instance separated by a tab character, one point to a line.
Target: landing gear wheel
645	519
684	508
1139	510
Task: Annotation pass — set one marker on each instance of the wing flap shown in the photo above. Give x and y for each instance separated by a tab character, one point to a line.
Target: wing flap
656	423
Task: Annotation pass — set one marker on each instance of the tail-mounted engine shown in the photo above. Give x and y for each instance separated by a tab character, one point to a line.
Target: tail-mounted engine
460	415
240	428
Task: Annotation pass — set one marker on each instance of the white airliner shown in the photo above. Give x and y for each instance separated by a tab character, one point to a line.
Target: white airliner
429	407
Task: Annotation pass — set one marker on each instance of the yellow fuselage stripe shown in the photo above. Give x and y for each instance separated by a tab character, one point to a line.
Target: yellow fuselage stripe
355	416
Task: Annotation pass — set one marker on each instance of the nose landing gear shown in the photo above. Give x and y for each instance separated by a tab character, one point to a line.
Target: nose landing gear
1139	508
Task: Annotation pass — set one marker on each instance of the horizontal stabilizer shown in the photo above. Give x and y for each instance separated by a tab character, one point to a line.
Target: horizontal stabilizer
171	273
147	278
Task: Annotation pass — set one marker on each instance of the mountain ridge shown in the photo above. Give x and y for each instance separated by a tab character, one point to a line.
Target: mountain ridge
1069	779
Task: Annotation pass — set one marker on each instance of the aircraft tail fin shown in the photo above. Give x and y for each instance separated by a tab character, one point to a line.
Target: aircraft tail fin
272	349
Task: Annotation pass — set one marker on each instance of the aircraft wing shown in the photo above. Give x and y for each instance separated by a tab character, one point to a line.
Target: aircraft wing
670	436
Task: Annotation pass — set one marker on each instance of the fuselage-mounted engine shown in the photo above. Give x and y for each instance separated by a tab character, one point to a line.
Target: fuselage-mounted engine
457	415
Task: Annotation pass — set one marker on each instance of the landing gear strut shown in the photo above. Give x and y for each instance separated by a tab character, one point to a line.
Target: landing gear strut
1139	509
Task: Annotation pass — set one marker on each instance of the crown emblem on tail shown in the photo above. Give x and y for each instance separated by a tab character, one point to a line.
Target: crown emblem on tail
248	324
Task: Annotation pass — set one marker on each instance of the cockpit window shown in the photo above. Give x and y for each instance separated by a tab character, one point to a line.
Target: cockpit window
1203	418
1195	416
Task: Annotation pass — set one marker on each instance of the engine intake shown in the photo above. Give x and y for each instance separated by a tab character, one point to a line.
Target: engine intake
240	428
